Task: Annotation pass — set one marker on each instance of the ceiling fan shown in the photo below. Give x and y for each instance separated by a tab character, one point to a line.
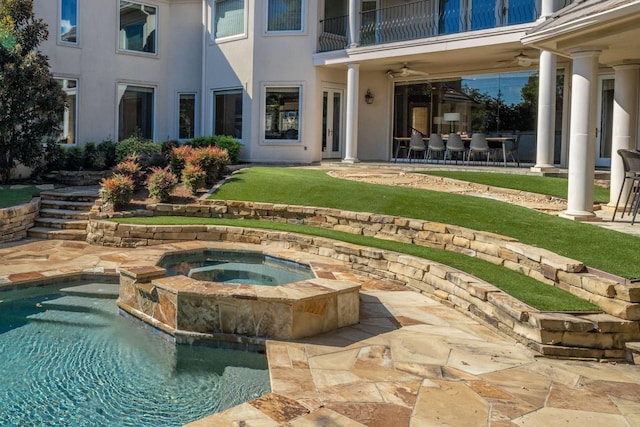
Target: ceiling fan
521	60
405	71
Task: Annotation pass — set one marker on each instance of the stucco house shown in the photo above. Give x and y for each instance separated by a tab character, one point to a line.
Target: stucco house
299	81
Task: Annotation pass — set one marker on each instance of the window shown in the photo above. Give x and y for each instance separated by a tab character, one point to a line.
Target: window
135	111
282	113
227	113
69	21
284	15
187	115
228	18
68	125
138	24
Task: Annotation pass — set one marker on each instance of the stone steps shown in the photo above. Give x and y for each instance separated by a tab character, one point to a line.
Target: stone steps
64	213
58	234
61	223
66	205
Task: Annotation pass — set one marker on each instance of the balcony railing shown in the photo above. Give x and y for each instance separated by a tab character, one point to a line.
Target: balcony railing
422	19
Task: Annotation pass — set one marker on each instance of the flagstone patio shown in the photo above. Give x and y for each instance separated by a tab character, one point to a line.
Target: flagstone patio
411	361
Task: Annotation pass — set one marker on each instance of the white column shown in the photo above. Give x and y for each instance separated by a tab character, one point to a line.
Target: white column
546	134
353	83
582	135
625	113
354	23
547	8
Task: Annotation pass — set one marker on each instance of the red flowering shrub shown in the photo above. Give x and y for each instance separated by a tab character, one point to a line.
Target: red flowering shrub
212	160
193	177
117	189
161	183
178	158
130	167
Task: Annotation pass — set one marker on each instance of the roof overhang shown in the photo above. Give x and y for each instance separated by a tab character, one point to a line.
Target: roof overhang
612	26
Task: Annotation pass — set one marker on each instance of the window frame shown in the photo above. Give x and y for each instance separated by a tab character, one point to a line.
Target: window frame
121	49
212	24
77	26
195	114
227	91
154	105
301	31
75	107
263	114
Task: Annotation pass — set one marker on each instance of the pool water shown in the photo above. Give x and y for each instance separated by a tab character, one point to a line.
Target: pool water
235	267
73	361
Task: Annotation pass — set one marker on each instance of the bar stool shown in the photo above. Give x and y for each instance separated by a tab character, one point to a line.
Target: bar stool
631	163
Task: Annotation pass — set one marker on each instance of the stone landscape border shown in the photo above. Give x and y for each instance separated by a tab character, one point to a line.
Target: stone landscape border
598	336
16	220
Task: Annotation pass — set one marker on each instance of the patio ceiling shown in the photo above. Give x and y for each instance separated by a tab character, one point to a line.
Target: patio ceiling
441	58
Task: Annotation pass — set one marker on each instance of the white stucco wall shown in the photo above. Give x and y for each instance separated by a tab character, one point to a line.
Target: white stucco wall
98	65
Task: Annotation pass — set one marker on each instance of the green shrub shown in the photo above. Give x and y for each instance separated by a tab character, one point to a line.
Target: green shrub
52	158
117	190
201	141
90	159
178	158
222	141
232	146
161	183
147	150
73	158
130	167
106	150
193	177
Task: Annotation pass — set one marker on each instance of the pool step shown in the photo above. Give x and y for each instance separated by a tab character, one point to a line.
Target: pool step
94	290
70	318
78	304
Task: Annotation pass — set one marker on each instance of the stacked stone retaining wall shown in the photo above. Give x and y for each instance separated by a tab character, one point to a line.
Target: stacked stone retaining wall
595	335
16	220
613	295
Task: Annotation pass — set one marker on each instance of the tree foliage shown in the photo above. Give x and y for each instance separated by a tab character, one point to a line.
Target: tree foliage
31	101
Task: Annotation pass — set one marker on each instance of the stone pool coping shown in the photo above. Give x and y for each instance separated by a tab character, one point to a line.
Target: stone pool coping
179	305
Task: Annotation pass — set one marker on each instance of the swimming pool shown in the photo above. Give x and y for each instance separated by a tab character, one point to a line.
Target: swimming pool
251	268
72	360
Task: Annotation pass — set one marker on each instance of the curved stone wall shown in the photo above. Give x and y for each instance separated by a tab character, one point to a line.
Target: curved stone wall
552	334
16	220
612	295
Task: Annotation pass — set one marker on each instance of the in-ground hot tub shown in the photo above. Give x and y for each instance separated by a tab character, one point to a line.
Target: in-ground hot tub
249	268
188	308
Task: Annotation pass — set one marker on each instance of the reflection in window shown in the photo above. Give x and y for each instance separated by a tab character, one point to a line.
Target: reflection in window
135	111
227	112
69	21
138	24
187	117
228	18
284	15
282	115
68	125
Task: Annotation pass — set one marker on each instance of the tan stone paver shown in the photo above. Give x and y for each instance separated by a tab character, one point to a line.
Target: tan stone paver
411	361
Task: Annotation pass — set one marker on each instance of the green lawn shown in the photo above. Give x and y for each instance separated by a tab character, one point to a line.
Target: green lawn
607	250
17	196
550	186
530	291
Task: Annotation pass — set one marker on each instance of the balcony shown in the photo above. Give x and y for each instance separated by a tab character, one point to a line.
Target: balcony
424	19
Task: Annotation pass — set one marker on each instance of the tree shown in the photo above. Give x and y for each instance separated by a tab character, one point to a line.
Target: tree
31	101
